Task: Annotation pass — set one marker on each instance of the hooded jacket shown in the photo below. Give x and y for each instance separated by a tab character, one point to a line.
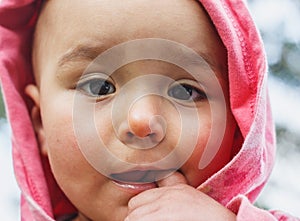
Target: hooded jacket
235	186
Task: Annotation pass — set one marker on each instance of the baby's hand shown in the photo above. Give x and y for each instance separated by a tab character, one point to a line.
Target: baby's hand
174	200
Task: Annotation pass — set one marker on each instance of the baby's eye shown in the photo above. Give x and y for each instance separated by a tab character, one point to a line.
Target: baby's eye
186	92
97	87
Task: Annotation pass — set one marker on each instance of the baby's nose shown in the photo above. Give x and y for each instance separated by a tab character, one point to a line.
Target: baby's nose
145	126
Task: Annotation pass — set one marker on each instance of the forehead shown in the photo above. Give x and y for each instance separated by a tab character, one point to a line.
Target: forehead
140	18
105	23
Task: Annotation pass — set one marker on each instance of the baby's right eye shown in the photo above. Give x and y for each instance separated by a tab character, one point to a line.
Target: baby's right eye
97	87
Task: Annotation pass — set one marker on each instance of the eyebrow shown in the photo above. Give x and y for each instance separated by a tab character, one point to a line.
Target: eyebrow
80	52
89	51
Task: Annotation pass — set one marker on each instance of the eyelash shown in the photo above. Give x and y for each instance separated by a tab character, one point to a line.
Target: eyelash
186	92
99	88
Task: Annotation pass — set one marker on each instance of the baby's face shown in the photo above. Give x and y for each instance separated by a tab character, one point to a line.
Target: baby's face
142	111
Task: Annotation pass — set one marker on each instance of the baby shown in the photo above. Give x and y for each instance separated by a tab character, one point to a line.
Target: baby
146	110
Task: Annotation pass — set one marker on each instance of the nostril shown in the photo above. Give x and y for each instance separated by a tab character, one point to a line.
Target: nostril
152	135
144	134
158	126
129	134
153	127
156	137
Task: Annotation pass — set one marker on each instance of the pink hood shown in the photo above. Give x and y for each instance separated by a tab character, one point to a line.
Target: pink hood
235	186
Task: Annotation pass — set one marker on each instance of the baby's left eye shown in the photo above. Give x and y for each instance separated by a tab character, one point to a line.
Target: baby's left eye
97	87
186	92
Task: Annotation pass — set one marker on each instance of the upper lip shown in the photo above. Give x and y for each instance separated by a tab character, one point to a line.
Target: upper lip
141	175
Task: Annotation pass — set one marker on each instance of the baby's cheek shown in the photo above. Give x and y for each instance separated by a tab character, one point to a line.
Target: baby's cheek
63	151
190	169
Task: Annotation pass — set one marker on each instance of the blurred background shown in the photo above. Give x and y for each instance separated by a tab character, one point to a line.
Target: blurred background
278	22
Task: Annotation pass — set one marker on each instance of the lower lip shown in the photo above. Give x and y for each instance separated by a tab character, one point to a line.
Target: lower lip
134	187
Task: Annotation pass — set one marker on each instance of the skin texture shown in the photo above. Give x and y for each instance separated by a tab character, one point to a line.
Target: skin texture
97	25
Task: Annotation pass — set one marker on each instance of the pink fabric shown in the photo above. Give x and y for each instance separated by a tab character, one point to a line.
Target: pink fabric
236	185
17	20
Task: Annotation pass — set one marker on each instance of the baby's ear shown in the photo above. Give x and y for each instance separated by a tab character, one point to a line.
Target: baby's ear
32	91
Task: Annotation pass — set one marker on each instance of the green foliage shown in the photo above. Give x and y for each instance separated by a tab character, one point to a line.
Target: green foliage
288	141
2	109
288	67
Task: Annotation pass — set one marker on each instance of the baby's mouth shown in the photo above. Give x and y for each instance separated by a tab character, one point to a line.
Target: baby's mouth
141	176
